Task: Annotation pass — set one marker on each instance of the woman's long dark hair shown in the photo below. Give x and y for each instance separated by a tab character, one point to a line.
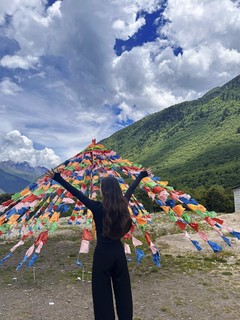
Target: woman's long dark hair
116	221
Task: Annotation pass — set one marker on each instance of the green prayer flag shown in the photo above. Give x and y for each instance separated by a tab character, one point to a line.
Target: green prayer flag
17	196
186	218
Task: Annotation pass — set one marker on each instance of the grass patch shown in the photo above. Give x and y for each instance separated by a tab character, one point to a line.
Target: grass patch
165	310
180	302
227	273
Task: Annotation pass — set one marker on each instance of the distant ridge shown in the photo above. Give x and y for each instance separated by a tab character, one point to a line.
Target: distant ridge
15	176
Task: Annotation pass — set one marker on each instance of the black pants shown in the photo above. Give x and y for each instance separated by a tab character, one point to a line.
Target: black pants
110	270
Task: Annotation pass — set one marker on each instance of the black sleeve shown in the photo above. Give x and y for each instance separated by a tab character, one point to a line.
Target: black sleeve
134	185
90	204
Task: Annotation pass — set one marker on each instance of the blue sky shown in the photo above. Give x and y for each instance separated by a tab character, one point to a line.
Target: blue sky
147	33
71	71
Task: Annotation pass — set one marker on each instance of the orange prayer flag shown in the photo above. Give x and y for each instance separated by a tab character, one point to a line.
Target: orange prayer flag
45	215
141	221
163	183
55	217
1	220
13	218
202	208
165	208
193	207
178	209
89	213
24	192
75	182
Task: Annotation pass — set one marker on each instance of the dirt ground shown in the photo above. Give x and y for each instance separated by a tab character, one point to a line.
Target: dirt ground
189	284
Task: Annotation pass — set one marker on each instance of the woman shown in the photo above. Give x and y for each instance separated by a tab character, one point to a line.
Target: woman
113	221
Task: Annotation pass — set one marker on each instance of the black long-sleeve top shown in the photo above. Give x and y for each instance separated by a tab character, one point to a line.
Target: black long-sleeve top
96	206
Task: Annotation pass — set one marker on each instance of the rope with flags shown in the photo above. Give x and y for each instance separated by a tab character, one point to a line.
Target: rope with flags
36	210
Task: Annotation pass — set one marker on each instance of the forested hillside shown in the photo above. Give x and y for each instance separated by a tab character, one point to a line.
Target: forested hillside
191	144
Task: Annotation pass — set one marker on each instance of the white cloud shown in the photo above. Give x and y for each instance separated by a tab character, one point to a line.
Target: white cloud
124	31
13	62
133	6
70	76
10	8
7	87
55	9
128	113
203	22
153	77
31	25
19	148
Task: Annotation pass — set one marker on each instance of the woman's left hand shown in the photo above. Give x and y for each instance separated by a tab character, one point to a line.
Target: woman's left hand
148	170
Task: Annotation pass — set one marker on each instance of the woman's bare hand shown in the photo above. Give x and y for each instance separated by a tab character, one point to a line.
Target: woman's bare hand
149	171
50	173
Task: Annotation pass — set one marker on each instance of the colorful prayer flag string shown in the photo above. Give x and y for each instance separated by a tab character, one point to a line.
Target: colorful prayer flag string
36	210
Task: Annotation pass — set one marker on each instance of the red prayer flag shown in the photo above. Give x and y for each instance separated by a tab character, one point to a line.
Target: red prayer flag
194	225
218	220
42	238
30	198
147	236
6	203
87	235
210	221
181	225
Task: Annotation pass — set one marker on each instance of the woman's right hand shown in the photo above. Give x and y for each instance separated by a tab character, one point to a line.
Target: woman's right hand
50	173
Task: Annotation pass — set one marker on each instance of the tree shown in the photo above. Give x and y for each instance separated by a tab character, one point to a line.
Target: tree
219	199
5	197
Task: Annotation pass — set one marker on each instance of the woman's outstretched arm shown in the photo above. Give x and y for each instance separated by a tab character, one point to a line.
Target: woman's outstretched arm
90	204
136	182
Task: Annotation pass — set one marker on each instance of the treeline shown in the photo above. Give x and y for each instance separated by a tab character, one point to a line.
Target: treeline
225	177
214	198
5	197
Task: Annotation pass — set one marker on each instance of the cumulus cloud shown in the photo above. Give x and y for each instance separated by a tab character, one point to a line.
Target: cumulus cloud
8	87
13	62
71	79
203	22
124	31
19	148
128	113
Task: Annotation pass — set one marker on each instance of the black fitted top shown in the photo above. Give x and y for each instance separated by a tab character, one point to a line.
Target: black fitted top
96	206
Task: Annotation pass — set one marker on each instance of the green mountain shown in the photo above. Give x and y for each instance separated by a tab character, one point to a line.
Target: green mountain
189	144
